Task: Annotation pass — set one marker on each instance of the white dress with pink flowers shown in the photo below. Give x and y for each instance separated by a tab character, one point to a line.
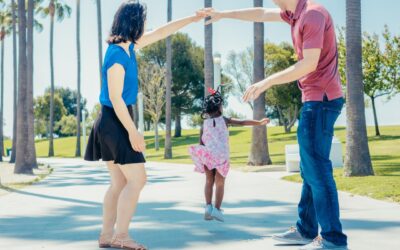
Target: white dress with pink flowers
214	154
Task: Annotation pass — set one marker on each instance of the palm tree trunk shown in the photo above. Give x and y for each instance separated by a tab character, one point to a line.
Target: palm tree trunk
31	153
208	53
78	101
99	38
2	100
22	164
259	154
156	137
358	160
377	132
178	126
15	78
168	86
51	125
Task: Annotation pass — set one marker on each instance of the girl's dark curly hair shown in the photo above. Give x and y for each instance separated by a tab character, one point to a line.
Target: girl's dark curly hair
129	22
212	103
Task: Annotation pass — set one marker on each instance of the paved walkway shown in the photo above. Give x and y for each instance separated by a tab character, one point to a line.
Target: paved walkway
64	212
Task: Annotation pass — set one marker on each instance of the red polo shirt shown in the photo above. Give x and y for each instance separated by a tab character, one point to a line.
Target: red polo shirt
312	27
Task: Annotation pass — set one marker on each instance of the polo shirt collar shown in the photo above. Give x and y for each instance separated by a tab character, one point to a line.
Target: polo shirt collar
301	5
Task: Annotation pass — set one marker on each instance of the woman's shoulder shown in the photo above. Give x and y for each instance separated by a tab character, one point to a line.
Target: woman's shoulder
115	54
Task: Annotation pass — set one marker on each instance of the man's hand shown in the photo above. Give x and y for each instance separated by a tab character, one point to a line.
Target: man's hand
255	90
200	15
214	15
264	121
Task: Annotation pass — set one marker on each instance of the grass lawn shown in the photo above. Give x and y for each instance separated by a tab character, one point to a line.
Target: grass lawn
385	151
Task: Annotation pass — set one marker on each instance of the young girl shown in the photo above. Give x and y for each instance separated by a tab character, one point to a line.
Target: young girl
212	155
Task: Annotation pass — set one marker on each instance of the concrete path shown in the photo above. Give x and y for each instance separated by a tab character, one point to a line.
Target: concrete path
64	212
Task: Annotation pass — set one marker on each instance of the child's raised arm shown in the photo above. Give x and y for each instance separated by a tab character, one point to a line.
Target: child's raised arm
238	122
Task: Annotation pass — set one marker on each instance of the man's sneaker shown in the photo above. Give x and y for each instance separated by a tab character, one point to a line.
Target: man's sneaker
292	236
321	244
217	214
208	212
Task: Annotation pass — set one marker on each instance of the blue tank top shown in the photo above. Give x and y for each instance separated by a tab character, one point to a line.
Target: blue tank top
116	54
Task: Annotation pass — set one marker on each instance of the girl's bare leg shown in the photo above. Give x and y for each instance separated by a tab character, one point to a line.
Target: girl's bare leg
220	189
208	190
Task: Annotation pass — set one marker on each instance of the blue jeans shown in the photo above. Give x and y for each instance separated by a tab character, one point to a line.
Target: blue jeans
319	198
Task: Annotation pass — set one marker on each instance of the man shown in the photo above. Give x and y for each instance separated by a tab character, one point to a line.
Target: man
314	39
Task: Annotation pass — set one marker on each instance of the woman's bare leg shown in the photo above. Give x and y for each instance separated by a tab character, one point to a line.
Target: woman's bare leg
208	189
220	189
118	182
135	175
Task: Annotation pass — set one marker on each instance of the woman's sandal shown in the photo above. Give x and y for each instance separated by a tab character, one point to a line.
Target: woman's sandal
105	240
124	242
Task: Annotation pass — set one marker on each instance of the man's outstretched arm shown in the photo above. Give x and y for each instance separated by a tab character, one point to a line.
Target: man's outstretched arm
252	15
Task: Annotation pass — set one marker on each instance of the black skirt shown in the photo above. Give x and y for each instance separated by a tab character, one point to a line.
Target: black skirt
109	140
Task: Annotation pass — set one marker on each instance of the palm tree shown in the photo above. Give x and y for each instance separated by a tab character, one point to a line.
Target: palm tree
78	99
31	152
22	163
15	82
358	159
55	8
208	54
168	84
99	37
5	28
259	154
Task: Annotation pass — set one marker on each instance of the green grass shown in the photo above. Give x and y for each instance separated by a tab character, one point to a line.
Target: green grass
385	152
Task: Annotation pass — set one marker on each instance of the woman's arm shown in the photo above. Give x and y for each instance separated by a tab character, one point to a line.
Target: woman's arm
116	75
167	30
238	122
252	15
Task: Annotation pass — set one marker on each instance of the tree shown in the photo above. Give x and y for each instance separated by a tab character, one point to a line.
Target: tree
358	160
69	99
42	113
391	58
67	125
375	64
208	53
78	100
153	86
55	8
5	29
286	99
259	154
15	80
187	72
99	38
168	87
239	67
22	163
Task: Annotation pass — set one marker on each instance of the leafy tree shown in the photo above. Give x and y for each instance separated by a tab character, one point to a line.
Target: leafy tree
153	87
42	112
187	74
391	58
286	99
239	68
66	126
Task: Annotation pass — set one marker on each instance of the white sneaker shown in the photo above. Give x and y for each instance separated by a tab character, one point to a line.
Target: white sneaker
208	211
292	236
321	244
217	214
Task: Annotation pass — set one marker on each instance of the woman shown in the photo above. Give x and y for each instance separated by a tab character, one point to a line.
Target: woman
114	137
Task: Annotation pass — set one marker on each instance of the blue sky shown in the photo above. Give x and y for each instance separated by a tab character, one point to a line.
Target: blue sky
228	35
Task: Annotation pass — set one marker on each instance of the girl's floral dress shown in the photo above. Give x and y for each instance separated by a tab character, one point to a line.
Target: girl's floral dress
214	154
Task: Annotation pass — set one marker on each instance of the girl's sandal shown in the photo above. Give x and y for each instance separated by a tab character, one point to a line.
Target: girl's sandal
124	242
105	240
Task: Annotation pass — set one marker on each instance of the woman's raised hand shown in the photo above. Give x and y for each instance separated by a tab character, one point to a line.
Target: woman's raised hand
200	15
210	12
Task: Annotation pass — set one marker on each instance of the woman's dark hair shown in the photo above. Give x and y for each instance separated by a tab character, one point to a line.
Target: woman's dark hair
212	103
128	23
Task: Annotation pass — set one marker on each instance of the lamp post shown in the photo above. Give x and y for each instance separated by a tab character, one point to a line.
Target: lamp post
141	112
217	70
84	128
